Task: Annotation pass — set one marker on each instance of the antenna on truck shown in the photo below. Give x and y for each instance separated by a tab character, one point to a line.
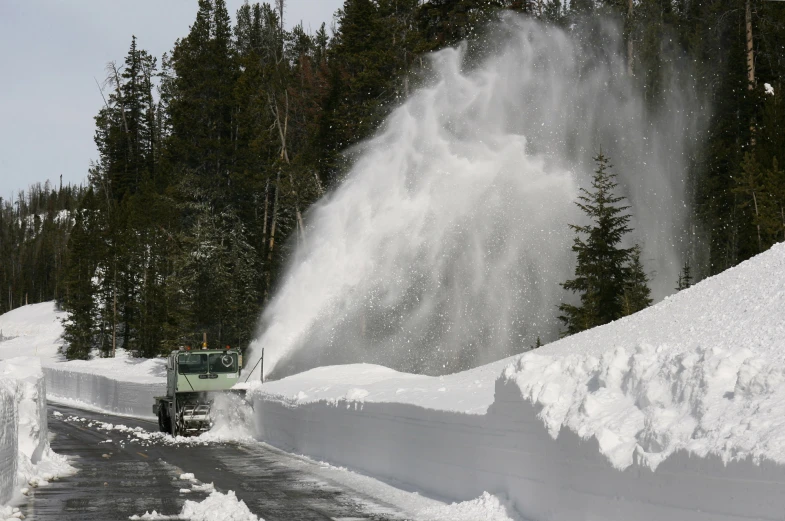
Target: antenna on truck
260	361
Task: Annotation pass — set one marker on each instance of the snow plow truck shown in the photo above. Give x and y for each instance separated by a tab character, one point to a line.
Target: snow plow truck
193	378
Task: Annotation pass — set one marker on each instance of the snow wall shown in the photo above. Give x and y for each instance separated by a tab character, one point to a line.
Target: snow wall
107	393
23	425
509	452
677	412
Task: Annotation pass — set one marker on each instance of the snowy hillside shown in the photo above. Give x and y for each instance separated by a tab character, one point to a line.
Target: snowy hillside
33	330
608	422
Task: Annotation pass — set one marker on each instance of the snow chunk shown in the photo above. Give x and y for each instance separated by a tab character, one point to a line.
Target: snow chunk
768	89
485	508
216	507
356	394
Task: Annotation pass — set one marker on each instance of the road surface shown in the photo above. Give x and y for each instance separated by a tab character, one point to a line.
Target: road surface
128	476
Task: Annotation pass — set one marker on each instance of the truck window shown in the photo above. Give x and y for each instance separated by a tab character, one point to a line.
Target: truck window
223	362
192	363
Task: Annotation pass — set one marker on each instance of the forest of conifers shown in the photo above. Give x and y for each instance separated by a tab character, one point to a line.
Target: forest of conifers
210	156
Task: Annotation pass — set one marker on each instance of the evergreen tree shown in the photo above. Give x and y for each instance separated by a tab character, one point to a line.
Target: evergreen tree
685	277
602	266
80	291
636	295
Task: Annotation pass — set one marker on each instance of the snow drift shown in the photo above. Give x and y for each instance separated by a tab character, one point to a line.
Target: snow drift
25	456
674	413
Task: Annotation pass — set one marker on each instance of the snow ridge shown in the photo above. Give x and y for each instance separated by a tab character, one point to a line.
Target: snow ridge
702	372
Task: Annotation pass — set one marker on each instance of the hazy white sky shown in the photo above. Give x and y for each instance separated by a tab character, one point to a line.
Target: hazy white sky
50	53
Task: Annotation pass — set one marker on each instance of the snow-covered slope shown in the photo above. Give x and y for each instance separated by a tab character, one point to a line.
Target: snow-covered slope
33	330
674	413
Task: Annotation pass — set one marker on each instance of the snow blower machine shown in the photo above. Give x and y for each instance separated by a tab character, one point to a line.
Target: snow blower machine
194	377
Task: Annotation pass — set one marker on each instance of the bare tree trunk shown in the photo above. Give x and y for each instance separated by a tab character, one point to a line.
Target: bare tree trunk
114	311
757	219
630	54
750	62
116	81
266	206
282	133
319	187
782	214
272	241
750	55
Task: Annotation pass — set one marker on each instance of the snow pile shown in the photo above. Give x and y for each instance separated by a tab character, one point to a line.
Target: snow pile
216	507
25	455
677	412
484	508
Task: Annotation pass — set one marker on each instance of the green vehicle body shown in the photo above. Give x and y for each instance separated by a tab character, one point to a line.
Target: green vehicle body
193	377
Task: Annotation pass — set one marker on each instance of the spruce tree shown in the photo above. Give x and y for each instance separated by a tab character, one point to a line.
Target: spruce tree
636	295
602	265
685	277
80	291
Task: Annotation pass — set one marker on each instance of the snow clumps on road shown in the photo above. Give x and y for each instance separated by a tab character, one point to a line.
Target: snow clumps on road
216	507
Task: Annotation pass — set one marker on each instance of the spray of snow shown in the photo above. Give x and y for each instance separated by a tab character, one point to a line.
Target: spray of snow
445	246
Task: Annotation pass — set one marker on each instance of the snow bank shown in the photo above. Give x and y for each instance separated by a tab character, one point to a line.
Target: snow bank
674	413
122	385
25	456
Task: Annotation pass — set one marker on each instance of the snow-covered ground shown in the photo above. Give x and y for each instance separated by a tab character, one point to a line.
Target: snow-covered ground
25	457
677	412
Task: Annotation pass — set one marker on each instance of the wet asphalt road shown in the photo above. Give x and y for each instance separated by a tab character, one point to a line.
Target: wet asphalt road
128	477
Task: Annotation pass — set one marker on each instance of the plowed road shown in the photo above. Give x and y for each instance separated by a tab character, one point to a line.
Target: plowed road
130	476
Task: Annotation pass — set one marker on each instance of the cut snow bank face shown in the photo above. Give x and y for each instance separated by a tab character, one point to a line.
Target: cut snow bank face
25	456
121	385
677	412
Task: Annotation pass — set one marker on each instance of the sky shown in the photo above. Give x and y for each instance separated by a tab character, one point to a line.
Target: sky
51	54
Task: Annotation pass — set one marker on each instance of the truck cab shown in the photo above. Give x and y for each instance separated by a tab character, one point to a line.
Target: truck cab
193	376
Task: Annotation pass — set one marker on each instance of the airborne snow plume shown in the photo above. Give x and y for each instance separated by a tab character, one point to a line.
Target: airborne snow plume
445	246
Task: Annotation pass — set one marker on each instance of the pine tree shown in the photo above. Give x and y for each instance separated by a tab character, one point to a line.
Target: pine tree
636	295
685	277
79	299
602	266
